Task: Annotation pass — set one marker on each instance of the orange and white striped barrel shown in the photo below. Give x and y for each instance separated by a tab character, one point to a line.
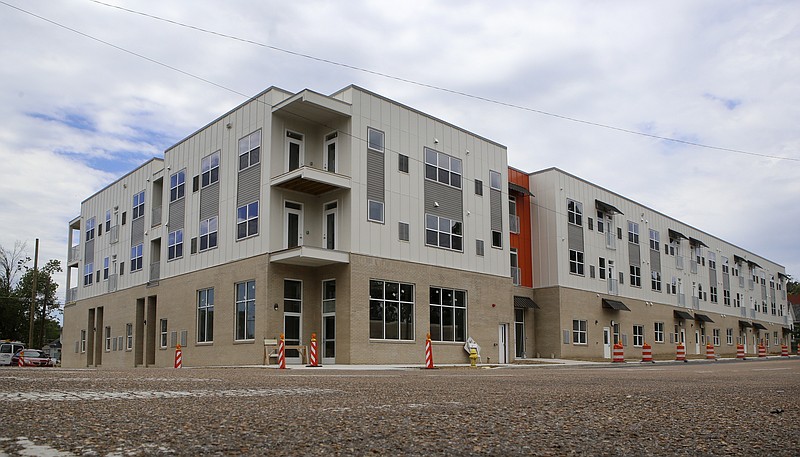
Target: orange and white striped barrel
282	353
784	351
710	352
178	356
762	351
740	351
647	353
20	361
680	353
428	352
618	354
313	357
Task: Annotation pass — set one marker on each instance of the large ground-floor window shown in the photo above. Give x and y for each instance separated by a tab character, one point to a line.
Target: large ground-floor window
245	310
448	314
205	315
391	310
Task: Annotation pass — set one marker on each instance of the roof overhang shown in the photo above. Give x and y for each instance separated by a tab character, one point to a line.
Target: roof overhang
682	314
676	235
518	189
758	326
313	107
615	305
307	256
606	207
525	302
703	318
745	324
696	242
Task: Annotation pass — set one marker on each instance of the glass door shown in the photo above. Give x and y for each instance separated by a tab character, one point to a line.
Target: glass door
294	150
293	219
329	225
292	314
328	350
330	163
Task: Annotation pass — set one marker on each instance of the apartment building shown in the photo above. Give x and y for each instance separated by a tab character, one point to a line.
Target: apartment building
349	216
608	269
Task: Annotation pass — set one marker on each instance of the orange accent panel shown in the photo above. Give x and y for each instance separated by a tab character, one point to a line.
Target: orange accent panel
522	241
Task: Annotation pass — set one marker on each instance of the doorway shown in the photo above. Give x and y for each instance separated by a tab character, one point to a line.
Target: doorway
519	333
329	225
502	346
330	162
294	150
328	355
293	221
292	316
606	343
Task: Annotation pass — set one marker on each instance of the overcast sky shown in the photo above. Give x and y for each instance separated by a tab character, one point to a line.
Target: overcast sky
77	113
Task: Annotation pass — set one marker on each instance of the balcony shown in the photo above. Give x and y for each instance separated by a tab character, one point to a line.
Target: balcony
679	262
114	234
693	267
612	287
155	218
72	295
312	181
74	254
682	299
513	223
155	271
515	276
743	312
696	302
112	283
309	256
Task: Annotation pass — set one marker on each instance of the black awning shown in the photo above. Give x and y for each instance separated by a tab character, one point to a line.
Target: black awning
745	324
782	275
525	302
696	242
518	189
682	314
753	264
702	317
738	259
675	235
758	326
615	305
787	330
607	208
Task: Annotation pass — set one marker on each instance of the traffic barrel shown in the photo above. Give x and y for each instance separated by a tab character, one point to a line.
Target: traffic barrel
619	353
680	353
282	353
784	351
740	351
428	352
20	362
647	353
710	352
313	360
178	356
762	351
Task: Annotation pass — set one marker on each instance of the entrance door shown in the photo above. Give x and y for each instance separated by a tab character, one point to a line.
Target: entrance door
293	220
519	333
697	341
329	225
328	352
683	338
294	150
292	313
606	343
330	163
502	346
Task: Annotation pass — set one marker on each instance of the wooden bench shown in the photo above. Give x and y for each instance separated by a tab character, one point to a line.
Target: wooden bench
271	351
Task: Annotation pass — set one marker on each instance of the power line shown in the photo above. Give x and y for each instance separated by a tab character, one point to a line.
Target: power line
440	88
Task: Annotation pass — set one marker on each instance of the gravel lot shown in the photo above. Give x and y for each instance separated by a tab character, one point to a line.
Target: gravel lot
717	408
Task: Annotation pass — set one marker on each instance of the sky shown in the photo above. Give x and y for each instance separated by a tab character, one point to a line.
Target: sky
90	92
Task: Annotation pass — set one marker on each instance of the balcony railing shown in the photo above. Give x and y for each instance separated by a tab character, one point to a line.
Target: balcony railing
679	262
682	299
743	312
513	223
112	283
741	282
696	302
693	266
74	253
114	234
156	216
72	294
611	241
155	271
612	287
515	275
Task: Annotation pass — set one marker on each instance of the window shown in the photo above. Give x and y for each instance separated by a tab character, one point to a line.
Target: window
375	211
601	268
402	163
497	239
209	169
205	315
716	336
245	311
495	180
249	150
713	290
208	233
515	272
175	244
138	206
579	331
775	336
638	335
442	168
655	240
391	310
163	333
600	222
658	332
108	338
774	309
402	230
247	220
726	297
90	225
136	257
105	268
655	280
128	337
83	340
633	232
375	139
636	276
88	269
574	212
737	303
576	262
448	314
478	187
729	336
177	185
513	219
479	247
108	220
442	232
712	260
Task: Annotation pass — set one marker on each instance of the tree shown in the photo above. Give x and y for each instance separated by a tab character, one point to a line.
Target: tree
12	308
792	287
46	304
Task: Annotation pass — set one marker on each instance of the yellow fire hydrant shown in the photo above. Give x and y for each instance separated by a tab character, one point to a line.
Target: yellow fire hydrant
473	358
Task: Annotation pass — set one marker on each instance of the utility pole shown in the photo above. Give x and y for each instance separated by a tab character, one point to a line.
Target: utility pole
33	293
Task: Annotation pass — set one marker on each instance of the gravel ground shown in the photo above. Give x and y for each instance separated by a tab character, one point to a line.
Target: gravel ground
721	408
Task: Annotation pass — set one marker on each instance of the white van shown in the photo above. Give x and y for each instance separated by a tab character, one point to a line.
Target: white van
8	349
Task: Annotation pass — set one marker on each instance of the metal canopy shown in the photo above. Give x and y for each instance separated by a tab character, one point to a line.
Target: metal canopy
525	302
745	324
702	317
518	189
615	305
682	314
738	259
696	242
758	326
675	235
607	208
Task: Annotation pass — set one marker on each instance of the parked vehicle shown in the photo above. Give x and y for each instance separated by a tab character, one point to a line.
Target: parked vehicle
32	358
8	349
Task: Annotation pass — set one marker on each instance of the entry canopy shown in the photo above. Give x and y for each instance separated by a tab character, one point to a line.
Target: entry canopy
738	259
787	330
702	317
782	275
519	189
606	208
524	302
675	235
745	324
615	305
758	326
696	242
682	314
753	264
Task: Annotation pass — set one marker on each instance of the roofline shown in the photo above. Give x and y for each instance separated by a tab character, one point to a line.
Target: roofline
120	179
558	170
